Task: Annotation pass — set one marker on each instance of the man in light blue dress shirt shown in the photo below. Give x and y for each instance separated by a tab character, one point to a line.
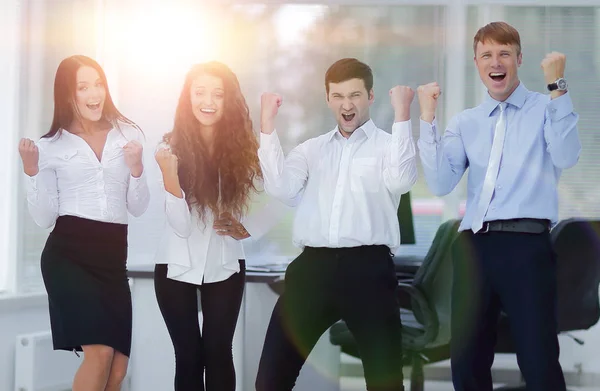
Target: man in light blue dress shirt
516	144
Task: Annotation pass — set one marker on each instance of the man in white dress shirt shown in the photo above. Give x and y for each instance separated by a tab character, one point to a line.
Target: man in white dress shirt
347	186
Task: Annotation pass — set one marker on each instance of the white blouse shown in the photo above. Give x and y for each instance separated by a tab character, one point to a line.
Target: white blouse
193	250
72	181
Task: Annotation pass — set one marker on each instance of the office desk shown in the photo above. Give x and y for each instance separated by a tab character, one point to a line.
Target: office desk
152	365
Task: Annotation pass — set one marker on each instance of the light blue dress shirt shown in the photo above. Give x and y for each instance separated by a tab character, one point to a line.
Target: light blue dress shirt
541	140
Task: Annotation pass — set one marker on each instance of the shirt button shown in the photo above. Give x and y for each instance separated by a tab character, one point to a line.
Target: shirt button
499	187
66	156
104	213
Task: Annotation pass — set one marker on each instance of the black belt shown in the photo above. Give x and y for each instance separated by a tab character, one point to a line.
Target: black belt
532	226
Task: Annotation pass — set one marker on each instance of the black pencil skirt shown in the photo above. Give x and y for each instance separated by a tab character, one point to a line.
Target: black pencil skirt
84	270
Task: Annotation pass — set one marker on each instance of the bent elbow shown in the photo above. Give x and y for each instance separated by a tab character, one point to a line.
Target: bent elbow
46	222
568	161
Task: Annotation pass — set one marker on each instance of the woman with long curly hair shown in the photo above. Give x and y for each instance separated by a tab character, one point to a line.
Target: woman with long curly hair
210	171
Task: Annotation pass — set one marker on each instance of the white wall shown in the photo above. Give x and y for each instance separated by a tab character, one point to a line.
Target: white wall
18	315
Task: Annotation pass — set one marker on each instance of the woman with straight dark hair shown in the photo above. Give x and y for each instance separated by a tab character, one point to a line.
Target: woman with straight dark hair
210	173
83	177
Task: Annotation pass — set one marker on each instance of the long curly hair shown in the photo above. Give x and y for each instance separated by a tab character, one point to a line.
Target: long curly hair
235	150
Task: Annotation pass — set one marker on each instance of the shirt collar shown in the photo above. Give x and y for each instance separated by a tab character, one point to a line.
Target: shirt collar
368	129
517	99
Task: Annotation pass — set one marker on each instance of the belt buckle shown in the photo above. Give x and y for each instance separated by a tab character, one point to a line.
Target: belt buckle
485	228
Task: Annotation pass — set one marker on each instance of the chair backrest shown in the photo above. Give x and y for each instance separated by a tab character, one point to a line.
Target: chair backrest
577	246
434	279
406	220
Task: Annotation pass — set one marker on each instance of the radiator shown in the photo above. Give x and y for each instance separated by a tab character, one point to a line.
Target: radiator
40	368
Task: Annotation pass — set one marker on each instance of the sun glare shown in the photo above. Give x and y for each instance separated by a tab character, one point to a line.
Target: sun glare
167	38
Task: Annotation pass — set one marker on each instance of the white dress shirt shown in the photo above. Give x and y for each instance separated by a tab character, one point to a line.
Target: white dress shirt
72	181
193	250
347	191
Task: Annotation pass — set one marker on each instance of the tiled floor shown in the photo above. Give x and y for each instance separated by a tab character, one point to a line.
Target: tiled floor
355	382
358	384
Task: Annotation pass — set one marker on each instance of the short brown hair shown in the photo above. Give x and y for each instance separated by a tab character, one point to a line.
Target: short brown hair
346	69
500	32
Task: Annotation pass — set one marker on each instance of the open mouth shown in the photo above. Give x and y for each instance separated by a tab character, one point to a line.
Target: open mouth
208	111
93	106
497	76
348	117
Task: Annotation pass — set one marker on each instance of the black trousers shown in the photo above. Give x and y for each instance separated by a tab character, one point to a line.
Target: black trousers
322	286
201	353
514	273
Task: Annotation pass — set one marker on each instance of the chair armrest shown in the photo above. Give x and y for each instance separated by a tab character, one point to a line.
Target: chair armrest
428	317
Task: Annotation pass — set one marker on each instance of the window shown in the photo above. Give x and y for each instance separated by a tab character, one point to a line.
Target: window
51	32
280	48
9	71
575	32
286	49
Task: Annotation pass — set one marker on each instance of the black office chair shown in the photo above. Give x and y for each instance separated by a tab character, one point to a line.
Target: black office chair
577	246
426	323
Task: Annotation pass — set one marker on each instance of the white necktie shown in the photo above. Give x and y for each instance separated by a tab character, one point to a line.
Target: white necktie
489	184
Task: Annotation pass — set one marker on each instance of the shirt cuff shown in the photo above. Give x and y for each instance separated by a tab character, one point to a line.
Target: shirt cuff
560	107
170	198
402	129
137	181
269	141
428	131
31	182
248	241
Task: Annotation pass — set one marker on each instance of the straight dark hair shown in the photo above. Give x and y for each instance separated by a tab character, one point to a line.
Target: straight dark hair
65	109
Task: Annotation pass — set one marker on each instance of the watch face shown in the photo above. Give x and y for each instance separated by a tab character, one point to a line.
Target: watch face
562	84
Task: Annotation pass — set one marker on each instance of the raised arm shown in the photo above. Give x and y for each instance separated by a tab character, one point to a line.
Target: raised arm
138	194
284	178
178	213
560	122
40	183
444	158
400	163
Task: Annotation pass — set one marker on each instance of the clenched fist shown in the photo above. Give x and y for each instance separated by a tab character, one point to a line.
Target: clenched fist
30	155
554	66
428	98
167	162
133	158
401	97
269	106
